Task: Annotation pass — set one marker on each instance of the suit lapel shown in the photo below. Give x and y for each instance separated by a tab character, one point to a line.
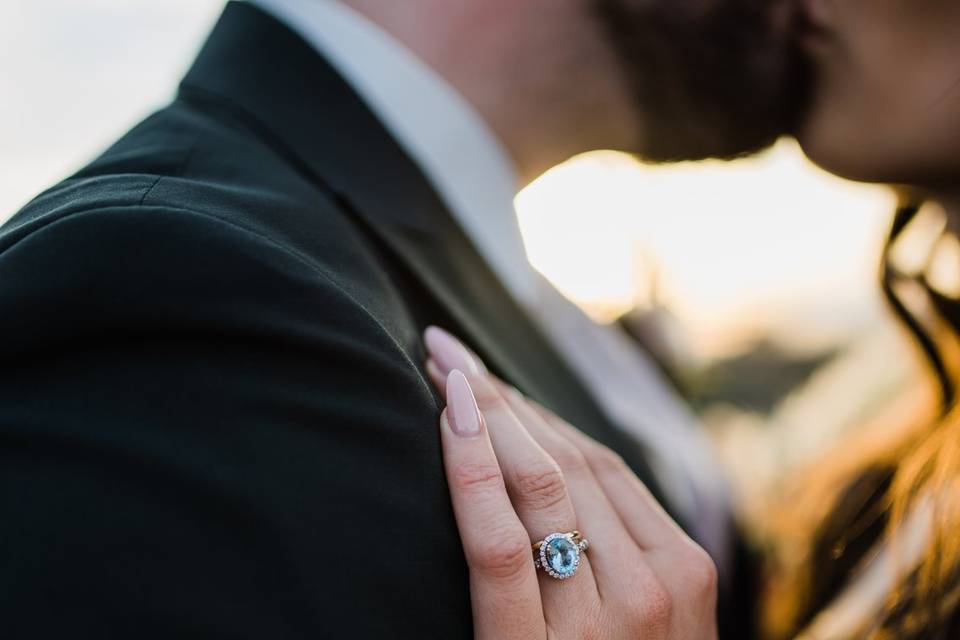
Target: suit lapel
296	102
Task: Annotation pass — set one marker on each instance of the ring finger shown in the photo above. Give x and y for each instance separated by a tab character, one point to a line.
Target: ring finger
604	527
534	481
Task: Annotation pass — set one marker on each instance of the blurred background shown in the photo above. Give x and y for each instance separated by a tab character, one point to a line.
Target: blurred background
755	282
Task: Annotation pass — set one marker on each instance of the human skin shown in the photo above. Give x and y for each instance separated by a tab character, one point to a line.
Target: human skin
886	97
662	79
517	473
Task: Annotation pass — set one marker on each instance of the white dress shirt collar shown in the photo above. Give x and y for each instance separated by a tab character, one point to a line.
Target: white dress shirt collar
435	125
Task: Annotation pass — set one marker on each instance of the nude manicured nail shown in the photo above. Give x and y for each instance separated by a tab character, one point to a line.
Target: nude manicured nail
463	414
448	352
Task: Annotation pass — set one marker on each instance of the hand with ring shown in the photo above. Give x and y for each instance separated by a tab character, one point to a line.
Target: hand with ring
562	540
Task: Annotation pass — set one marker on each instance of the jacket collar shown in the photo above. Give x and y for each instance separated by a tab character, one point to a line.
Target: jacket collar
286	90
292	99
439	129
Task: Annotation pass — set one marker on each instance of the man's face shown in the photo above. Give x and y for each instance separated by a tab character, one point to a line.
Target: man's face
709	78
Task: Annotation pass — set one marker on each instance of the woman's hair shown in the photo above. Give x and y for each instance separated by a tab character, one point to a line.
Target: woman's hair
847	506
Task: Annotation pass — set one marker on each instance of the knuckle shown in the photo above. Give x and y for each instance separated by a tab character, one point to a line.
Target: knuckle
541	486
656	609
699	572
571	460
506	556
476	477
604	460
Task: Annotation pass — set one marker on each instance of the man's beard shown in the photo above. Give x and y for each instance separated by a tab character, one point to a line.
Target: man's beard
710	78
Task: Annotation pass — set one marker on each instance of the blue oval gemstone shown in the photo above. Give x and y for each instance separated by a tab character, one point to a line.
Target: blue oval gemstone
562	556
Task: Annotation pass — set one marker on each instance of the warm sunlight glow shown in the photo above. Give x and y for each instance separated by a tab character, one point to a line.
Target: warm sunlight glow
732	248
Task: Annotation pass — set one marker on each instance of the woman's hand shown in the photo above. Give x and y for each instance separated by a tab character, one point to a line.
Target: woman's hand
518	473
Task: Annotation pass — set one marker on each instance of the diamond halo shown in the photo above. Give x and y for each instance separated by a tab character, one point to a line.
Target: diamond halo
559	554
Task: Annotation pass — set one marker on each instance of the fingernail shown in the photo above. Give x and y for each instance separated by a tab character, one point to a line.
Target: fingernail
462	410
448	352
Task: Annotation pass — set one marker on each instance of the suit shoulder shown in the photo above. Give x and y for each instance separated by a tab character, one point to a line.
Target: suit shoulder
121	177
154	271
185	161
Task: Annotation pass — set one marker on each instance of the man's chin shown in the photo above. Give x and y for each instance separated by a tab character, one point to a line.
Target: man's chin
726	134
724	86
666	146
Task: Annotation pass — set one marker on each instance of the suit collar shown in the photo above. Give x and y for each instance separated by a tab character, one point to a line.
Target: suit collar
291	97
440	130
294	101
279	85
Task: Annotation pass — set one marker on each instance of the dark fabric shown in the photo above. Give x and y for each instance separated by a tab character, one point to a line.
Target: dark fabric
214	419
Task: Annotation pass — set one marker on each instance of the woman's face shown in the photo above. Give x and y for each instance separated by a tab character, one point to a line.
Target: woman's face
886	104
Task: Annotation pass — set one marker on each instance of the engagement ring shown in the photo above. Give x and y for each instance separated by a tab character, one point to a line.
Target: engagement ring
559	554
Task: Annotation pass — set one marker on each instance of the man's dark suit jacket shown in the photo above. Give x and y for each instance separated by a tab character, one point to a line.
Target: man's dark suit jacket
214	418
